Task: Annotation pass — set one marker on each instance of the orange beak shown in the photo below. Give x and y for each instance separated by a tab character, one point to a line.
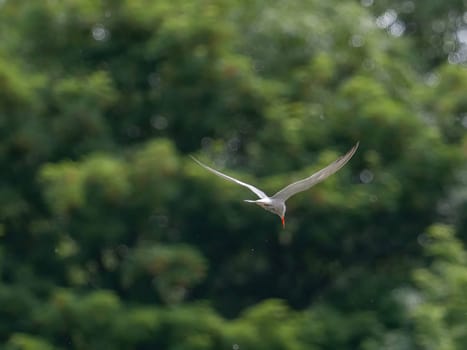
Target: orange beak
283	221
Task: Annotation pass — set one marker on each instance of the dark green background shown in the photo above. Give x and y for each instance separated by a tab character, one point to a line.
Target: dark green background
111	237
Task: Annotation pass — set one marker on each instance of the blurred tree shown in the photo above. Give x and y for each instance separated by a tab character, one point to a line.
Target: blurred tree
440	312
433	305
436	28
110	237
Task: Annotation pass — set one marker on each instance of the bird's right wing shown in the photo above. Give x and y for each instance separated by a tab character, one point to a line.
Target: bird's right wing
319	176
252	188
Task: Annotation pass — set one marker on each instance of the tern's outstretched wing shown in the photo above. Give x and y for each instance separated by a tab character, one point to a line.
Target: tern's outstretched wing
252	188
319	176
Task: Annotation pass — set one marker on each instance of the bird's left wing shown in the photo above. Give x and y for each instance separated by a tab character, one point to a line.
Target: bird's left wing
319	176
252	188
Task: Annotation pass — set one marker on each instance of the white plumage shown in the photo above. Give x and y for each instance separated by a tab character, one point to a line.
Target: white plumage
276	203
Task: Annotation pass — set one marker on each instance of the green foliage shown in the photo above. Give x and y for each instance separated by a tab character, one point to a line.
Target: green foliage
432	26
20	341
441	313
172	269
112	238
434	305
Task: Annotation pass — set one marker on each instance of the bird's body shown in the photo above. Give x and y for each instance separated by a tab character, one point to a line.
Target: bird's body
276	203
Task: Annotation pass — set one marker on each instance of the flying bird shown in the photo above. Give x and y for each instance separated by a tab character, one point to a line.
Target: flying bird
276	203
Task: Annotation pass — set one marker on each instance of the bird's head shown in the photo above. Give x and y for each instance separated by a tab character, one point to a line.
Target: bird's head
275	207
